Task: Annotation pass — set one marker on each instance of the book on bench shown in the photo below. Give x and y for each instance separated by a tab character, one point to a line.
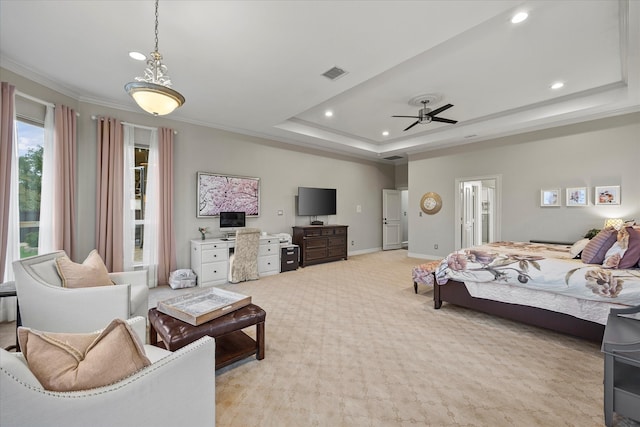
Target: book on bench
199	307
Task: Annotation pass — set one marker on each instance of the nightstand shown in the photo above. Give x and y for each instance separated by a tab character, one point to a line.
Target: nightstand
289	258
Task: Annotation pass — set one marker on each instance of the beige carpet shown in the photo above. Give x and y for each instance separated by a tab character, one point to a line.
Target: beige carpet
349	344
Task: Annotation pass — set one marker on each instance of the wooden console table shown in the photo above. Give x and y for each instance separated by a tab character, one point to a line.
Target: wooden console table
320	243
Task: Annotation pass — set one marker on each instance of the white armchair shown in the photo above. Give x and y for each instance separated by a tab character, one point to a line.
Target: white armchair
176	389
47	306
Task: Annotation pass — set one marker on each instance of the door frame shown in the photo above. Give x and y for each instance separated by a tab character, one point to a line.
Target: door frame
389	224
497	219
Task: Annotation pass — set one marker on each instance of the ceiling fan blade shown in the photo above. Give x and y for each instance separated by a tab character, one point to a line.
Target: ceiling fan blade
417	121
439	110
438	119
411	117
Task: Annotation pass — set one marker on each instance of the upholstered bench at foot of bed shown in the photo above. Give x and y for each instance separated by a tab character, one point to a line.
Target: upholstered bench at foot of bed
423	274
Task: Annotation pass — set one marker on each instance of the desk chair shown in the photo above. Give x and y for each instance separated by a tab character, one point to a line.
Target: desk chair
243	264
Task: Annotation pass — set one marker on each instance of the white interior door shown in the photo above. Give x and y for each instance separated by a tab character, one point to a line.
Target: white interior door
391	219
478	202
471	213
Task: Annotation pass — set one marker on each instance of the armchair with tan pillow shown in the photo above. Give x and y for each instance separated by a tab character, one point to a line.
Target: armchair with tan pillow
57	295
106	378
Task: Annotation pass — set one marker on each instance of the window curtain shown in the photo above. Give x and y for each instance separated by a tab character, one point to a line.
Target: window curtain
9	212
46	241
7	148
150	248
109	192
64	204
166	236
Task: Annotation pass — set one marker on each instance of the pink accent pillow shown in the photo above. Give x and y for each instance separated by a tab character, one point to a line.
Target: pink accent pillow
597	247
632	255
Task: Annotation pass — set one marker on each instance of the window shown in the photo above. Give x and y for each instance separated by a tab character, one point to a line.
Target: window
30	137
141	158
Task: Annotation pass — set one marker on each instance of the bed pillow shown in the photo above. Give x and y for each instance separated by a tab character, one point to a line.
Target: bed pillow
72	362
578	247
631	257
617	250
92	272
597	247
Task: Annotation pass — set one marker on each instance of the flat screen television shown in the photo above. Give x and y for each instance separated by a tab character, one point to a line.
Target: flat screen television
232	219
316	201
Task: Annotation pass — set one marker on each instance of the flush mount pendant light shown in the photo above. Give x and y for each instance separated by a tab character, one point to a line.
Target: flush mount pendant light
153	92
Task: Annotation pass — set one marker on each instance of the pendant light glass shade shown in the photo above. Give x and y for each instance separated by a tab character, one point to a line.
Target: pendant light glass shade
152	92
153	98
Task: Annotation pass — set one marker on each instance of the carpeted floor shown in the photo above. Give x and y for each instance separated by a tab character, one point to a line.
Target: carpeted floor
349	344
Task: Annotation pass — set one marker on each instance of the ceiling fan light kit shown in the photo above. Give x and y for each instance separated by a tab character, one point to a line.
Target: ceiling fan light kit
426	115
153	92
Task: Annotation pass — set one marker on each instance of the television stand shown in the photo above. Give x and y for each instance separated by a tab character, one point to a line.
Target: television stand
322	243
317	223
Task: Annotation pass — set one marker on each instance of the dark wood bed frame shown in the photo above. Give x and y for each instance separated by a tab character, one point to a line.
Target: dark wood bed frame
456	293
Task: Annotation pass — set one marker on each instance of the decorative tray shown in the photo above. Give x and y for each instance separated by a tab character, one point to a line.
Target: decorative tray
199	307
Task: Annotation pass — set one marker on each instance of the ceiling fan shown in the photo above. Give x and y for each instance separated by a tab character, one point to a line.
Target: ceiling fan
425	115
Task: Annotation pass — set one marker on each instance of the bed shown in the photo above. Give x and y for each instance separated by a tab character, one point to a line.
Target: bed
537	284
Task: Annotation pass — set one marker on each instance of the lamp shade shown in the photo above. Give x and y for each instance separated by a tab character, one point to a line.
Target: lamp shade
613	222
153	98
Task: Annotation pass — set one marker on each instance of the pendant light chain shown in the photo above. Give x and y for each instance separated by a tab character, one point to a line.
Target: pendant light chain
157	25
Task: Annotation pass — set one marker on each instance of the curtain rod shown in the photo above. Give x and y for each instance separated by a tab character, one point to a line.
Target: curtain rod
175	132
39	101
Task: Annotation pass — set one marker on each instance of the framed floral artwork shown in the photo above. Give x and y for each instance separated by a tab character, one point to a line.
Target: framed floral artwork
227	193
577	196
550	197
607	195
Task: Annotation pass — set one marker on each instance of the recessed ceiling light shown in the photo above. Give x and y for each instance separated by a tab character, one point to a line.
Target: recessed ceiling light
328	113
519	17
137	56
385	133
557	85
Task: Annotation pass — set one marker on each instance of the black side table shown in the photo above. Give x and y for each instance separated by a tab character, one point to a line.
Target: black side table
8	289
621	348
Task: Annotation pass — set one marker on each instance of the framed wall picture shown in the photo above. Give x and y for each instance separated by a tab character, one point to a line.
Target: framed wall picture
607	195
227	193
550	197
577	196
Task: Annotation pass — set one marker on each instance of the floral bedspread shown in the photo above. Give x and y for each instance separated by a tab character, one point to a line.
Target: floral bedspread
542	267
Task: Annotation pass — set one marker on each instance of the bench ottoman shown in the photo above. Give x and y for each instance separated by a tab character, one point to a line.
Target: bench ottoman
231	343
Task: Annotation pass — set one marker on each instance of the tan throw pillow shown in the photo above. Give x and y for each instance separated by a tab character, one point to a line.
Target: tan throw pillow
92	272
577	247
71	362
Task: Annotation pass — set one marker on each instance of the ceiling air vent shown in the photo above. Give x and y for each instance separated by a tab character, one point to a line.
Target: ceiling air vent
393	158
334	73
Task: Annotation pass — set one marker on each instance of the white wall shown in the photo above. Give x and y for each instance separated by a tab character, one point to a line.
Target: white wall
280	167
601	152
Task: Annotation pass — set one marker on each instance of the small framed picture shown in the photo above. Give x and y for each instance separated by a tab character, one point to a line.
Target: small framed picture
607	195
550	197
577	196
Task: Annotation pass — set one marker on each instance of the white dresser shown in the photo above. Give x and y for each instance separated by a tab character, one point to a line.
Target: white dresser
210	259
